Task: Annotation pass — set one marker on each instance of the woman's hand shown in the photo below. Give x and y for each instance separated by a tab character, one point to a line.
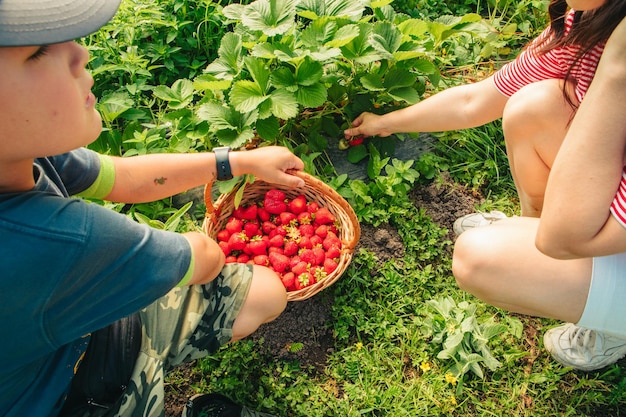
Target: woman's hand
367	124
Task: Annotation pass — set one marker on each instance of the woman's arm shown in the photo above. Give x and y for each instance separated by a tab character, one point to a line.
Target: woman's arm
576	221
458	107
152	177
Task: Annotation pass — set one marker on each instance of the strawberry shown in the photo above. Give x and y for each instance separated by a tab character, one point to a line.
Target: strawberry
303	280
330	265
286	217
291	247
356	140
261	260
312	207
308	256
277	241
230	259
237	241
298	204
251	228
320	255
321	231
246	212
263	214
307	230
305	217
316	241
278	261
333	252
331	240
223	235
324	216
234	225
274	249
305	242
267	227
257	246
289	281
300	268
225	247
295	260
274	201
243	258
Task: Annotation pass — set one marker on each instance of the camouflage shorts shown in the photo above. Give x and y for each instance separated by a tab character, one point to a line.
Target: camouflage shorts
186	324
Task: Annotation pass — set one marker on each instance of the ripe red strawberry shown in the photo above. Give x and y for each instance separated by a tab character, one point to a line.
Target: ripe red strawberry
246	212
312	207
274	201
298	204
277	241
316	241
300	268
330	265
307	230
223	235
321	231
234	225
257	246
278	261
305	242
331	240
289	281
303	280
295	260
225	247
320	255
243	258
305	218
291	247
230	259
356	140
333	252
273	249
251	228
308	256
237	241
263	260
263	214
267	227
324	216
286	218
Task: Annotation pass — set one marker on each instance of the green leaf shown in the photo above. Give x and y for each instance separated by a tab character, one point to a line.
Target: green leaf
313	9
406	94
312	95
209	82
246	96
309	72
357	153
230	58
272	17
343	36
178	96
284	104
386	39
398	77
259	72
268	128
372	82
414	27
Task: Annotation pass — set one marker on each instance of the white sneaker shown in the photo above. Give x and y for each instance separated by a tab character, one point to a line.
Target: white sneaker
470	221
583	349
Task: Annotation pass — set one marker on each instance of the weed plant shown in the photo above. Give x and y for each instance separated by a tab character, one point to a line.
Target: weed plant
408	342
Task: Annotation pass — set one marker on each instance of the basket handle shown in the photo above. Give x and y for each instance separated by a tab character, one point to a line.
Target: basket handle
309	180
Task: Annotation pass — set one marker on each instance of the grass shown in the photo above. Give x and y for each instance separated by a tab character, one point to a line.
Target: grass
408	342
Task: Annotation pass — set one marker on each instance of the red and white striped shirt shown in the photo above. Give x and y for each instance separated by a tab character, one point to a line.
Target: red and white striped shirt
618	207
529	67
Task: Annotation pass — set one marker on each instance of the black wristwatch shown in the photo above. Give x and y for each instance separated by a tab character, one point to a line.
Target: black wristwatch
222	163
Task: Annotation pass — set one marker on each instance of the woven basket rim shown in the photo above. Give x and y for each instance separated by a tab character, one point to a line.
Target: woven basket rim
349	229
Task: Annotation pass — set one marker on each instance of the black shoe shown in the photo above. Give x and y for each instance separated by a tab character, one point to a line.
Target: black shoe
217	405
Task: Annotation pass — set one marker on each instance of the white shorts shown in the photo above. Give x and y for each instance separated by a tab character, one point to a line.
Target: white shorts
605	309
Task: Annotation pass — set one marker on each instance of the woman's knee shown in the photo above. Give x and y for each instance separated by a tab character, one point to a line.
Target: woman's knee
469	259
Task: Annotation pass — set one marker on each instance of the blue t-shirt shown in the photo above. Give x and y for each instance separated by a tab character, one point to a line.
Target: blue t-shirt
69	267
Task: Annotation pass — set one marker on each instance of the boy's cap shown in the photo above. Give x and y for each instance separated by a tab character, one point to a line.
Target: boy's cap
40	22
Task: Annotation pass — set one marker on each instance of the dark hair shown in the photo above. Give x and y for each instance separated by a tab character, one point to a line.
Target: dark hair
589	29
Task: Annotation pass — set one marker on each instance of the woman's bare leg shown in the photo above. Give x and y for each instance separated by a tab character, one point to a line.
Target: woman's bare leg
500	265
535	121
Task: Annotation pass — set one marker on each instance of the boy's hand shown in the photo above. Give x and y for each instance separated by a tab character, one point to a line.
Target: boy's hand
272	164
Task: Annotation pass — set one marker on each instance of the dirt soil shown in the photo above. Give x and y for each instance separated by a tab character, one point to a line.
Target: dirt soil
444	203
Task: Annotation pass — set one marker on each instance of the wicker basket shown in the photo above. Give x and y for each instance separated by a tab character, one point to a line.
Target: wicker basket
315	190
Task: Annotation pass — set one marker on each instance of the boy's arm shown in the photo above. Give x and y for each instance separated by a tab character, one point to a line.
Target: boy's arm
576	221
152	177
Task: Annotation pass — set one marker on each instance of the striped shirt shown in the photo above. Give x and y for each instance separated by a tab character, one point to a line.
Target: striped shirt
530	67
618	207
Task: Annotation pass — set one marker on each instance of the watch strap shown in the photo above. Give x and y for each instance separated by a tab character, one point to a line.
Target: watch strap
222	163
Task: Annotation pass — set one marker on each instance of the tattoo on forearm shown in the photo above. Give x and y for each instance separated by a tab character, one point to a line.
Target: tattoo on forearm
160	181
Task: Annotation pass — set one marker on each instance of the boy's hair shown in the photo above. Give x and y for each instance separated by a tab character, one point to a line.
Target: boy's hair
41	22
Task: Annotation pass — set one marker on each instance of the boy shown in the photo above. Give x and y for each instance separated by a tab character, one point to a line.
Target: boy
69	268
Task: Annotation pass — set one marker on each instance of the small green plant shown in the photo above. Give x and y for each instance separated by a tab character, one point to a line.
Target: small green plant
463	339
